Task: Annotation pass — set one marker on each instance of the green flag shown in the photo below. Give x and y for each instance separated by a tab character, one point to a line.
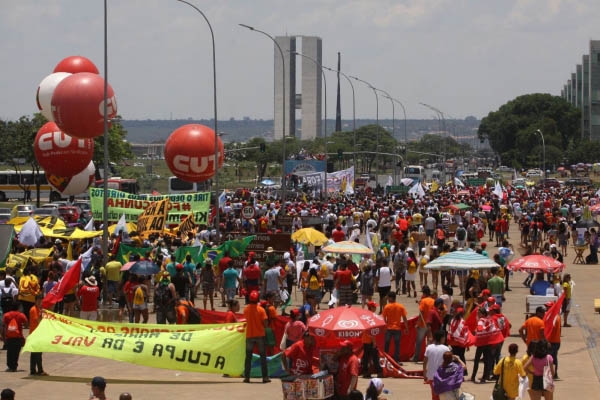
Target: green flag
126	251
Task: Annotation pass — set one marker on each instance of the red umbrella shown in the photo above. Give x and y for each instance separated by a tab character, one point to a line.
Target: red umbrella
536	263
345	322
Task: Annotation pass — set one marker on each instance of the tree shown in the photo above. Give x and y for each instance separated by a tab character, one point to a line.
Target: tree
511	130
119	148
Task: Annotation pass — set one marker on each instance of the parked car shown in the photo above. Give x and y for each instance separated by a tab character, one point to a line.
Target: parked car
69	213
579	182
4	215
533	173
548	183
46	212
22	210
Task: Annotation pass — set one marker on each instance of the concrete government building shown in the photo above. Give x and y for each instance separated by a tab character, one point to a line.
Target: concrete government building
309	100
583	91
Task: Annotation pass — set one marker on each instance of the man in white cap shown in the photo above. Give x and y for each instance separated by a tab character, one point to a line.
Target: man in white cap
88	295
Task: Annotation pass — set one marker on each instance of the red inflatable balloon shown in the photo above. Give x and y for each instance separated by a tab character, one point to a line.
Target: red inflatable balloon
78	105
75	65
60	154
190	153
73	185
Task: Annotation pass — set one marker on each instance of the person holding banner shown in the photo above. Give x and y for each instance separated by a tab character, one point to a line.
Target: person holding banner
256	322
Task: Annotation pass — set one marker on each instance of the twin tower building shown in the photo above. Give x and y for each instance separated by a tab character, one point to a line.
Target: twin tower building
289	97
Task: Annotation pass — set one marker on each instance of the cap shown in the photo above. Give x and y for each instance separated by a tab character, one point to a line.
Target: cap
496	307
438	301
485	292
549	304
57	241
208	261
179	267
346	343
553	246
269	250
483	245
254	296
491	299
378	384
459	310
372	304
99	382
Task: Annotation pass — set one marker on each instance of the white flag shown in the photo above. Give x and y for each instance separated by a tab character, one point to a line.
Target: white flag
86	258
498	190
90	225
121	225
458	182
30	233
222	200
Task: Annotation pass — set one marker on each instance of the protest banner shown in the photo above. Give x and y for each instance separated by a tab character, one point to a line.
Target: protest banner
186	226
132	205
341	181
153	218
197	348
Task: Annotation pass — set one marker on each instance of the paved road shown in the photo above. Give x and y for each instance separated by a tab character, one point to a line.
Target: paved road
579	363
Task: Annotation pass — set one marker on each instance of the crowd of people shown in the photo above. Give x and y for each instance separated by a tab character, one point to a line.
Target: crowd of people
405	234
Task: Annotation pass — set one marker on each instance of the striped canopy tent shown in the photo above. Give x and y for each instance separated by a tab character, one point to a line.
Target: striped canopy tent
347	247
461	260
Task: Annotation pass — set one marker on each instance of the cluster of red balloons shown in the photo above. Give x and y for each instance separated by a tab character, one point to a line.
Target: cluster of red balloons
72	99
190	153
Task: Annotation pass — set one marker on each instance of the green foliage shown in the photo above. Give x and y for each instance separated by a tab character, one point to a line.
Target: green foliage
511	130
119	148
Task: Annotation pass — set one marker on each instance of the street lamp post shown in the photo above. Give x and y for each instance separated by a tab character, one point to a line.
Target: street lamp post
377	124
283	188
442	129
216	164
325	119
353	115
544	152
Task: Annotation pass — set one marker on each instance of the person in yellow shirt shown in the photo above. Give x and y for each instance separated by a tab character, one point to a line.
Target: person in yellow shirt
509	369
566	306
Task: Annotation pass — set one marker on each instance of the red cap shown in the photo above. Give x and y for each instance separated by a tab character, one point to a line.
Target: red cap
496	307
485	292
491	299
179	266
483	245
372	304
346	343
549	304
254	296
459	310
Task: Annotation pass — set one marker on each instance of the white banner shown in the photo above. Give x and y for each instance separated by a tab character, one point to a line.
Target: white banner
341	181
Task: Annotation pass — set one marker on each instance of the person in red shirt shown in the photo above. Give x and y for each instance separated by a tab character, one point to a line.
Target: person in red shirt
233	307
89	294
12	335
251	276
343	283
256	322
338	234
301	358
35	317
394	315
348	369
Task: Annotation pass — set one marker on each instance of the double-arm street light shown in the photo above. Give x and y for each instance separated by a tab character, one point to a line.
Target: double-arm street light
324	134
283	188
216	165
377	123
544	152
442	131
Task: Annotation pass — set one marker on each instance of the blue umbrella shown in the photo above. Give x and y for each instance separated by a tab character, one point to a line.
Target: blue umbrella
461	260
144	267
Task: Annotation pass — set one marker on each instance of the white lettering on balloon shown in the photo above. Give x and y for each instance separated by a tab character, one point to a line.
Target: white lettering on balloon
196	165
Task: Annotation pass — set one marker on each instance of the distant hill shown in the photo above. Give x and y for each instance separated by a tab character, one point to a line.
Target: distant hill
157	131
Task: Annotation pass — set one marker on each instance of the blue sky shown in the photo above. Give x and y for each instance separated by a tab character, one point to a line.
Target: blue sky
465	57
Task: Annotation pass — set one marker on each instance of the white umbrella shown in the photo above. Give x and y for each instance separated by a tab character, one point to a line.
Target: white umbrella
461	260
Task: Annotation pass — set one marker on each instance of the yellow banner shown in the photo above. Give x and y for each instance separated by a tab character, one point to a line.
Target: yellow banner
186	226
153	219
218	348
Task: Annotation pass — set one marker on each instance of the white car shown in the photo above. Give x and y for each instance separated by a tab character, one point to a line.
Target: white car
533	173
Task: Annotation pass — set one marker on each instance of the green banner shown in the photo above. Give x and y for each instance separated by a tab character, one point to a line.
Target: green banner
235	248
218	348
132	205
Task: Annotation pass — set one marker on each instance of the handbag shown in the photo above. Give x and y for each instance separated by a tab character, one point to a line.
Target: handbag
499	393
547	376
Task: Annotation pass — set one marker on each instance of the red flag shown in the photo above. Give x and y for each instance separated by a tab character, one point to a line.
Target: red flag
551	316
68	282
471	320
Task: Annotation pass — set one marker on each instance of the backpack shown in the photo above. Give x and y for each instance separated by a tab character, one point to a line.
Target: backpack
461	233
163	295
6	299
194	316
138	296
12	329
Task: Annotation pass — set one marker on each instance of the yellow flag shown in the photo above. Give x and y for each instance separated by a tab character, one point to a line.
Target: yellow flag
214	348
186	226
153	219
434	187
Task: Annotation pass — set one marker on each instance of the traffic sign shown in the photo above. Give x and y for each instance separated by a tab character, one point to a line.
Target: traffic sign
248	212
